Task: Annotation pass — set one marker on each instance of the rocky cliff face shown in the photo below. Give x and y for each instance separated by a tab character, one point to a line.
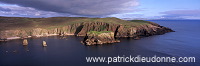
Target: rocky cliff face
142	30
121	28
81	29
40	32
102	37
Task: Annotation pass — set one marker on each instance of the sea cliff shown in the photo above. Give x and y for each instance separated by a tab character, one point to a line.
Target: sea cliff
19	27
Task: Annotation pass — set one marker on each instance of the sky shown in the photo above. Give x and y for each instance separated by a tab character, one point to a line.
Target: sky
124	9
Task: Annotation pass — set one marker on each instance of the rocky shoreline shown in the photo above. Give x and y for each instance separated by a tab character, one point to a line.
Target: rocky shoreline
118	29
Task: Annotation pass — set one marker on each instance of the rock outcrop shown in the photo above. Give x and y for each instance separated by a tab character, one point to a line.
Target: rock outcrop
44	44
25	42
102	37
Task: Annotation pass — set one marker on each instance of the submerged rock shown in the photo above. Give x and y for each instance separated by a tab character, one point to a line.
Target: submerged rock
102	37
44	44
25	42
15	51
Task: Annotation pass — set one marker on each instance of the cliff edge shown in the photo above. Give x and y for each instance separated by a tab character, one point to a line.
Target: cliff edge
19	27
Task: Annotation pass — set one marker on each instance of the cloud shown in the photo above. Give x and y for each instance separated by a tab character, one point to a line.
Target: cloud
182	14
4	9
79	7
127	15
17	11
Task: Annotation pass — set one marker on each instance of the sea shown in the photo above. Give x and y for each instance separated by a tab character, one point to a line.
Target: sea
68	50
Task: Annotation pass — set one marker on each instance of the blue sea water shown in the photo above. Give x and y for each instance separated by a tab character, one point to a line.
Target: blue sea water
185	42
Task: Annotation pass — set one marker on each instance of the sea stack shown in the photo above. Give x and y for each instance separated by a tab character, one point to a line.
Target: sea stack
25	42
44	44
101	37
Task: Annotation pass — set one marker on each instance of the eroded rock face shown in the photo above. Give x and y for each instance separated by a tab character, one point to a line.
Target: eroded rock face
95	37
81	29
142	30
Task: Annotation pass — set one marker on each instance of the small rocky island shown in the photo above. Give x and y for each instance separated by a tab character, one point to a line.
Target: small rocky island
101	37
95	30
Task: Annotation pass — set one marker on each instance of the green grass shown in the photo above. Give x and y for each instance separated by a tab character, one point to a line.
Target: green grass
11	23
98	32
102	27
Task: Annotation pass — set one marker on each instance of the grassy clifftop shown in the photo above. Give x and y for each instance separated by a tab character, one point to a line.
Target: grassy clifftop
98	32
10	23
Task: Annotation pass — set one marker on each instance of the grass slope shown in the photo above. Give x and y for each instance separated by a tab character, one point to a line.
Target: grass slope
10	23
98	32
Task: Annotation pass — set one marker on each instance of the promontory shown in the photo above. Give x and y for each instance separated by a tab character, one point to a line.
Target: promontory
21	27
